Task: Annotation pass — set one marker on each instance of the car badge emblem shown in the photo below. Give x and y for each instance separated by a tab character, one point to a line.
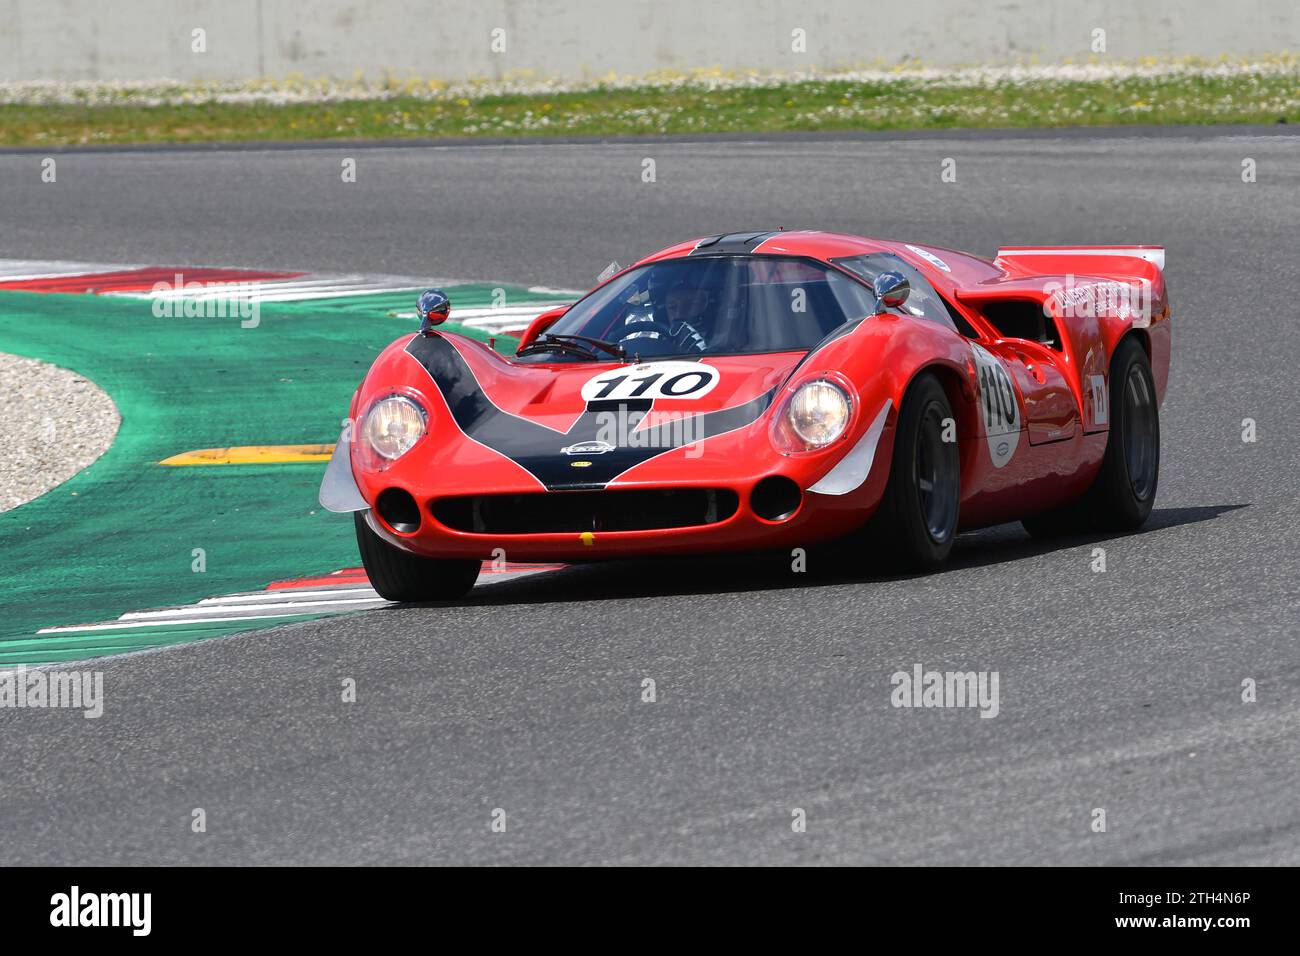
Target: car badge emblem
588	448
579	464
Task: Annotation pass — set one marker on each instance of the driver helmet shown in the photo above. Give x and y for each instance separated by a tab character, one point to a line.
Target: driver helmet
686	301
671	314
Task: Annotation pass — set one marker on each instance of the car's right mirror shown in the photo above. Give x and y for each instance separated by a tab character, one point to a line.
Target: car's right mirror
892	290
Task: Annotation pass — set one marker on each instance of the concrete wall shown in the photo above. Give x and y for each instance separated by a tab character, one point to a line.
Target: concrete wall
574	39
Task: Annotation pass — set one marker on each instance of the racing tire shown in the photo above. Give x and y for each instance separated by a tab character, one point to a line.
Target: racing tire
1121	496
916	523
401	576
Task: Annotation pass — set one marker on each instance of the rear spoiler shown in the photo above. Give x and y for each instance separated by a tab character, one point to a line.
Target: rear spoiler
1047	258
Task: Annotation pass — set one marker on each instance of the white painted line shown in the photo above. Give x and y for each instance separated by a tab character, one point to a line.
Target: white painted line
337	294
499	320
6	276
483	325
306	286
171	622
214	610
269	291
284	593
220	610
523	308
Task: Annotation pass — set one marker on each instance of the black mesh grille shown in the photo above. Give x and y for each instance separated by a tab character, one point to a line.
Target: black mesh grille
558	512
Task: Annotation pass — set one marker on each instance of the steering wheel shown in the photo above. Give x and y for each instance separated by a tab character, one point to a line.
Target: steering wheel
683	337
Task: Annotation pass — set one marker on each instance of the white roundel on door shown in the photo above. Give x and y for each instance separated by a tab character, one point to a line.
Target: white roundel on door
652	380
998	406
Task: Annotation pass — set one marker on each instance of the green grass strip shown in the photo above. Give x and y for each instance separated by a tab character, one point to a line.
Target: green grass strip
120	536
1173	97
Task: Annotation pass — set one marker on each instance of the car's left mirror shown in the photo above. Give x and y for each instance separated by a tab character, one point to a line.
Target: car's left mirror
433	307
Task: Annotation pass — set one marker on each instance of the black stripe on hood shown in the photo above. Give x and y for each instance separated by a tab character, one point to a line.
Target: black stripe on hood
540	450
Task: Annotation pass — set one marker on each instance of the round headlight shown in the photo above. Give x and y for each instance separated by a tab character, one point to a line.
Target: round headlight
818	413
392	426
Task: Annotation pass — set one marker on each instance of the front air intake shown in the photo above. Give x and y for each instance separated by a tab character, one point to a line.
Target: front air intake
775	498
399	510
561	512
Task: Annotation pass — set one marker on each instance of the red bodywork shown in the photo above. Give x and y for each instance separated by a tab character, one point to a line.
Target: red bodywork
1054	457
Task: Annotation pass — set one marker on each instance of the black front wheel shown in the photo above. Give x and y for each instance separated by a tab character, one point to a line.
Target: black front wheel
401	576
916	522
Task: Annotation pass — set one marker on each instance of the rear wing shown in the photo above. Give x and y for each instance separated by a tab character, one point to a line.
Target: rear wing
1121	281
1106	260
1117	287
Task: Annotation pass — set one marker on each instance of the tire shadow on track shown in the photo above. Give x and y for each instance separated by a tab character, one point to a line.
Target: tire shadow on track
772	570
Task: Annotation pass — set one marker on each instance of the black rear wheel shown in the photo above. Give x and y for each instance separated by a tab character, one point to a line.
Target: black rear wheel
916	522
401	576
1121	496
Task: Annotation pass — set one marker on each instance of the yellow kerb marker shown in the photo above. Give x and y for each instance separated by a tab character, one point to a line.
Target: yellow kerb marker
251	455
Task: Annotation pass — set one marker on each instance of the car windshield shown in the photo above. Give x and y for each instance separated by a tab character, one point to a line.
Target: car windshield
713	305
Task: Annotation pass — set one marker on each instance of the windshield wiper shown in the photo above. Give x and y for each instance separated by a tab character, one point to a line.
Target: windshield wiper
613	348
548	344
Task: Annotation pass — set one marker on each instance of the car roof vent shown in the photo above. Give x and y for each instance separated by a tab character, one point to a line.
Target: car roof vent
732	243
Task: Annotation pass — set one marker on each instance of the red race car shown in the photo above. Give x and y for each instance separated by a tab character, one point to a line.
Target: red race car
766	390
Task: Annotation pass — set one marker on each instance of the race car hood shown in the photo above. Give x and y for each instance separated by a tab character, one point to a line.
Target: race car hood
584	424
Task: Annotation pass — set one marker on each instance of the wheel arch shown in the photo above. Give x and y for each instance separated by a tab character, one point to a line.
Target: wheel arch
1114	331
956	385
1143	338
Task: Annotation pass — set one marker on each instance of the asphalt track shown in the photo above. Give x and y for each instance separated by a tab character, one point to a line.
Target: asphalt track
1118	690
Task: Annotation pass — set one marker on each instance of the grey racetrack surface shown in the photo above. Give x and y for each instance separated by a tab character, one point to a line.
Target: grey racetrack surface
1119	690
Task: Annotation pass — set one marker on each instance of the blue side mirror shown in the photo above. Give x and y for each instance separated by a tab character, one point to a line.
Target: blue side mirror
433	307
892	289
